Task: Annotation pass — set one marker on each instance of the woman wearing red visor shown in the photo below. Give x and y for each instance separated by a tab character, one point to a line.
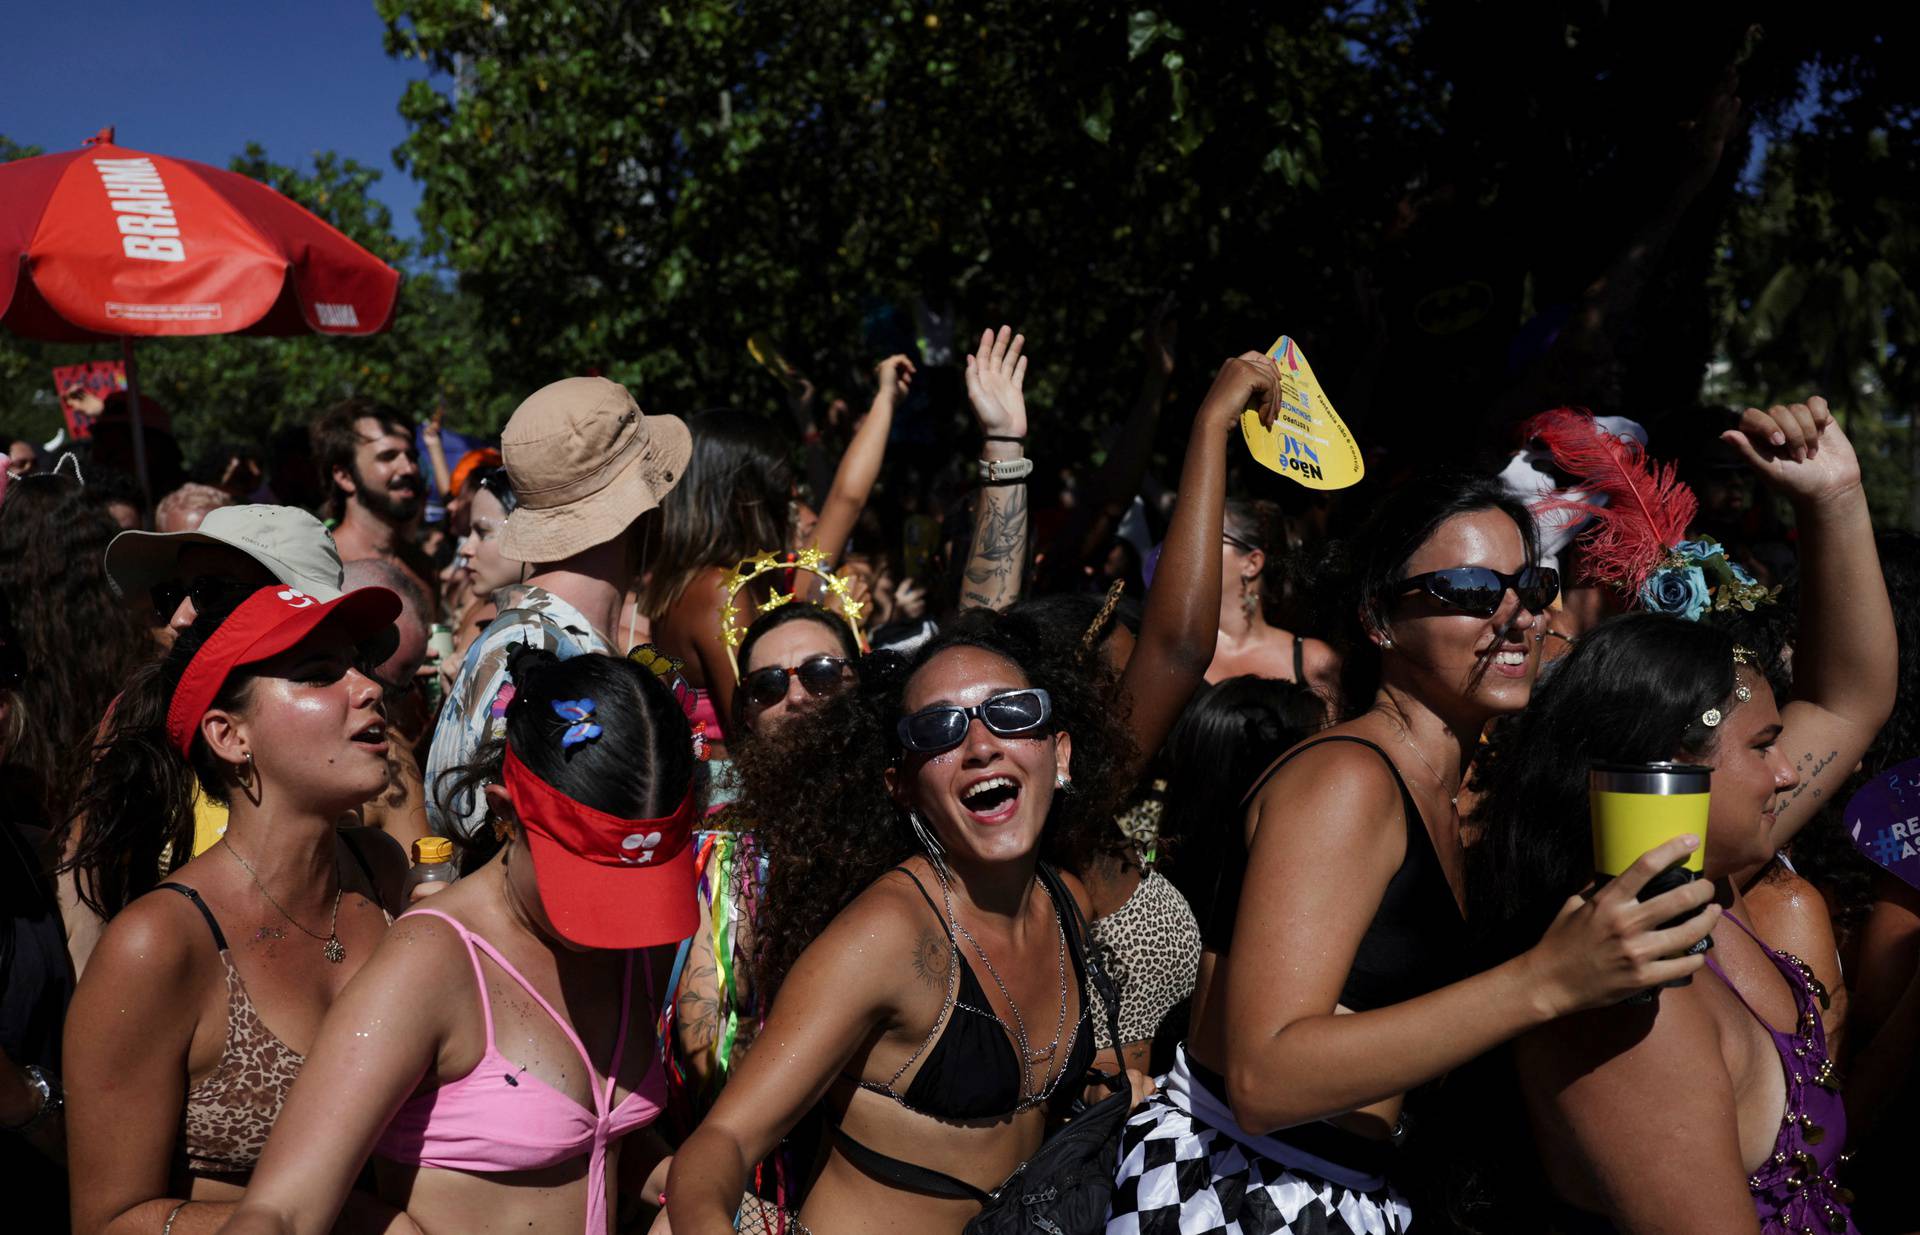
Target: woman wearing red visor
206	990
501	1042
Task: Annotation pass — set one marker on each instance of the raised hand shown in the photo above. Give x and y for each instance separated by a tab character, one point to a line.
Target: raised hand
995	375
895	377
1251	379
1798	449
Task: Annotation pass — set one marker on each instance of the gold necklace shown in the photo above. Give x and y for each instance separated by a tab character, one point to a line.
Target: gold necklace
1440	780
331	947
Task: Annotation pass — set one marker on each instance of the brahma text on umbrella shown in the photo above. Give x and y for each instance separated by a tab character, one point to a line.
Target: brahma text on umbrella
142	209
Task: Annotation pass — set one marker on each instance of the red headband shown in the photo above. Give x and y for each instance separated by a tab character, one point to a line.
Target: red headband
266	624
606	882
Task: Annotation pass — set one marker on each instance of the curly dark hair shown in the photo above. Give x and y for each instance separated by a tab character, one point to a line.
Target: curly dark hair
82	641
131	824
831	830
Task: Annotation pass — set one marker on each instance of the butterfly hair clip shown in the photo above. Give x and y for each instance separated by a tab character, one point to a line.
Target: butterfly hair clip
580	727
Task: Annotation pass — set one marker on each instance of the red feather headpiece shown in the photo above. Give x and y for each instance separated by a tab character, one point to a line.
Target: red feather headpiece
1647	510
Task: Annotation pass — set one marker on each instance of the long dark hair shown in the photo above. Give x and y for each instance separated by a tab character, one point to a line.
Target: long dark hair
638	768
1364	571
731	503
82	641
1633	690
817	794
1226	737
132	822
796	611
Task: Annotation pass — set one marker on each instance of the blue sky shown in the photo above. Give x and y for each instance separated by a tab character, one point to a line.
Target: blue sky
199	80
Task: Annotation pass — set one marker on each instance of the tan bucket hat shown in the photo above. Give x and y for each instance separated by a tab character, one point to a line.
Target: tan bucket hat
585	462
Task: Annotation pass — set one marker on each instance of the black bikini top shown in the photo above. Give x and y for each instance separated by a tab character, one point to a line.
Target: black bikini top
1417	940
971	1070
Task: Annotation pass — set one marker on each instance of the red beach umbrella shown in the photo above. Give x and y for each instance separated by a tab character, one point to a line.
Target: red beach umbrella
110	243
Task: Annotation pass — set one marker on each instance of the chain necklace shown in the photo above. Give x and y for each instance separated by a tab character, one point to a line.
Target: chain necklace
1018	1030
1440	780
331	947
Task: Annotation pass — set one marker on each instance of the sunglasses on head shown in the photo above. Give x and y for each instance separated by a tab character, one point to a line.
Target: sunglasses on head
1010	714
207	591
1478	590
819	676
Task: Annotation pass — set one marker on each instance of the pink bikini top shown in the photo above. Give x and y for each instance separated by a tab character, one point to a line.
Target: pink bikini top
499	1118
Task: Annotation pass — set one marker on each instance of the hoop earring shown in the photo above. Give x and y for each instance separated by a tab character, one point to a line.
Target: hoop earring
929	843
250	782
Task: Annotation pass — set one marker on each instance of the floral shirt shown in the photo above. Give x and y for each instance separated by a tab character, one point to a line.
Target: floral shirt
475	709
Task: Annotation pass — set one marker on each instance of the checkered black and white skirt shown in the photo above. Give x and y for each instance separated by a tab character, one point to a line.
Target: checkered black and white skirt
1180	1175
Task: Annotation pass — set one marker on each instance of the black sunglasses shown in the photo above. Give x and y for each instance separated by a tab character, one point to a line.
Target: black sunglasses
207	591
819	675
1478	590
1011	714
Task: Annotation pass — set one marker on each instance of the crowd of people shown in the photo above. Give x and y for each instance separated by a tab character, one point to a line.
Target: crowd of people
659	823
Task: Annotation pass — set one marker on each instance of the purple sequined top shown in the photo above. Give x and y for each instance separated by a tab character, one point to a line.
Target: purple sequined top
1794	1190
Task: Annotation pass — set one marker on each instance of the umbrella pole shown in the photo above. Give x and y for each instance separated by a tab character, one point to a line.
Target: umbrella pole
133	411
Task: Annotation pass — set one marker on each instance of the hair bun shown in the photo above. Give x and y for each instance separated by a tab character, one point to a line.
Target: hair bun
526	663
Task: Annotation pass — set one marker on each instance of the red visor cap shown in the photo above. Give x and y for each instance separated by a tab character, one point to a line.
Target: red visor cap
606	882
266	624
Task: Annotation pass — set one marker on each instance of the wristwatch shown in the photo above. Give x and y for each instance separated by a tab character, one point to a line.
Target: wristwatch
51	1096
1001	471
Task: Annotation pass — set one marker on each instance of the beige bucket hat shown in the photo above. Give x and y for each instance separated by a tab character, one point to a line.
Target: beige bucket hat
585	462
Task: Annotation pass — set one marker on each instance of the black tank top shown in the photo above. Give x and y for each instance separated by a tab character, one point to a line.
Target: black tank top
1417	940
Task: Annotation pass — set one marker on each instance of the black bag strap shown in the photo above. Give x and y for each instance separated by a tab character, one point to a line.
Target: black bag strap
1096	973
907	1175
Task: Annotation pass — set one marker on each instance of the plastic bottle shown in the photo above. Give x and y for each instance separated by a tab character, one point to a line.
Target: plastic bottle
432	864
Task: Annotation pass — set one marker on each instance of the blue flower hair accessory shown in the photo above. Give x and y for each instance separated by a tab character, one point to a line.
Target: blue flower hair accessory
1697	577
580	728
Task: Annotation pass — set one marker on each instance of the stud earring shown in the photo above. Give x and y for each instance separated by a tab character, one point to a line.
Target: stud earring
1062	783
1386	643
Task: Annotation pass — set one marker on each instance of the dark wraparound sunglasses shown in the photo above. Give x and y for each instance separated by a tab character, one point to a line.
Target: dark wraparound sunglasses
819	676
1012	714
1478	590
208	591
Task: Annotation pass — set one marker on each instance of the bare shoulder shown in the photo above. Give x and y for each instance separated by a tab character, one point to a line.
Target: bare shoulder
1321	660
1348	789
155	944
1077	889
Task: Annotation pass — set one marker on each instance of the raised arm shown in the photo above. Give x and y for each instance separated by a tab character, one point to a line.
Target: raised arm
860	466
386	1031
437	453
1328	839
1182	619
1846	658
997	558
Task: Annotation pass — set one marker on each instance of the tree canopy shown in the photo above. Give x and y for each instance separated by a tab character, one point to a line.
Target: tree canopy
1463	212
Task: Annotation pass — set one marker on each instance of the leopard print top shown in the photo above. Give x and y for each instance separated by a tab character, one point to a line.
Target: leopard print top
1150	947
232	1109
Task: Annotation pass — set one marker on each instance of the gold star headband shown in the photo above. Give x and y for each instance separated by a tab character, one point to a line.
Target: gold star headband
813	562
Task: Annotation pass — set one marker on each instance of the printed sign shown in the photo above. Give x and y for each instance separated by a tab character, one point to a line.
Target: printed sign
1884	820
1308	443
82	388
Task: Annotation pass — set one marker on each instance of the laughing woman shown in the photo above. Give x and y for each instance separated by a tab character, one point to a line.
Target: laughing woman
1348	902
1750	1120
203	995
927	965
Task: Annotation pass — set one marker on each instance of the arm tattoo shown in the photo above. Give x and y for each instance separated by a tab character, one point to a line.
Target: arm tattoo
932	956
999	547
698	1005
1808	776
